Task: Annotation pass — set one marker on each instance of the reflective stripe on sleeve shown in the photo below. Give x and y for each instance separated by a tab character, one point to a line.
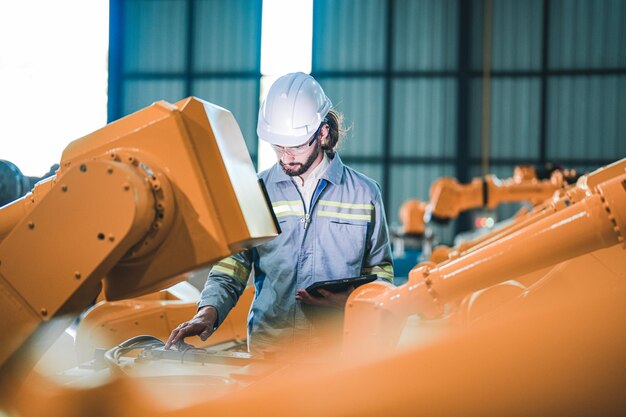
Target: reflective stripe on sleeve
383	271
232	268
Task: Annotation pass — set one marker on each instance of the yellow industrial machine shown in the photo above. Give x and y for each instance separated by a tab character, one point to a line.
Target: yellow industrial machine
448	198
596	221
136	204
110	323
554	347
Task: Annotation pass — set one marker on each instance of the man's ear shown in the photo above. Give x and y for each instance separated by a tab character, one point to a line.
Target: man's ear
324	134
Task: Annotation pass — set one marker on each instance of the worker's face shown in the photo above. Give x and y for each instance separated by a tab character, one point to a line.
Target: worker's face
297	160
295	165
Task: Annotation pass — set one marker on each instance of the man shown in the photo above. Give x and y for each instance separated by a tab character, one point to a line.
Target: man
332	220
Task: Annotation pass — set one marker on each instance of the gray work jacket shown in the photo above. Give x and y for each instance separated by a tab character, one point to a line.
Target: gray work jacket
344	235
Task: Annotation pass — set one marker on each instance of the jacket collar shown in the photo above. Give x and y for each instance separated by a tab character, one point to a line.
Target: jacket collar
334	172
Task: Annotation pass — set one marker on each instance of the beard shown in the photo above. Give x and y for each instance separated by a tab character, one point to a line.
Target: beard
295	169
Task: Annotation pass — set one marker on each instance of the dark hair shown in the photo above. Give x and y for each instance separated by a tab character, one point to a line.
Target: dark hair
336	132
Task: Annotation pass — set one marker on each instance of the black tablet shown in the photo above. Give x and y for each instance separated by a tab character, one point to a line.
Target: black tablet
339	285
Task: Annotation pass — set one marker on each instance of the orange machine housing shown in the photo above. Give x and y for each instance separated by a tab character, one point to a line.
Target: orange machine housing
147	198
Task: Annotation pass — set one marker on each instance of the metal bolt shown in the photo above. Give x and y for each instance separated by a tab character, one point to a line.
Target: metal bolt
624	184
77	275
31	225
126	187
110	170
44	312
83	168
111	238
64	188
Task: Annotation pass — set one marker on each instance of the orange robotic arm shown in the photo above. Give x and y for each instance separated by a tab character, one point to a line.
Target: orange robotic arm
158	193
375	313
448	198
412	217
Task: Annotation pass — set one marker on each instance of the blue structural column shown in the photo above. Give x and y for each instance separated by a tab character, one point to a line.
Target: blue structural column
116	44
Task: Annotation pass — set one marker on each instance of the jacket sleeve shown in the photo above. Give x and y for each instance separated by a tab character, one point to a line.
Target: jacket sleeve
225	284
378	258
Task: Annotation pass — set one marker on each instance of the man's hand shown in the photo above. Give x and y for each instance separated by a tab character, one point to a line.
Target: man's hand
201	324
328	299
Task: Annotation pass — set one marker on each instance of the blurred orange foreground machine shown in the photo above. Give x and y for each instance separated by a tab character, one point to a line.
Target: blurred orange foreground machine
149	197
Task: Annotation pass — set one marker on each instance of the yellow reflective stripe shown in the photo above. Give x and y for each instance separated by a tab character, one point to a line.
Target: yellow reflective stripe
233	268
287	203
288	208
383	271
290	213
346	205
348	216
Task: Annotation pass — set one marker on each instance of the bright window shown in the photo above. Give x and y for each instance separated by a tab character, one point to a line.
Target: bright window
53	78
286	44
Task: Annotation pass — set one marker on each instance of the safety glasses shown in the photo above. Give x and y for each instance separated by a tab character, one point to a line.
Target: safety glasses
297	150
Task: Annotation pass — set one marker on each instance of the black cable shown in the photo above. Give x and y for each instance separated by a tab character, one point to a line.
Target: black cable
143	341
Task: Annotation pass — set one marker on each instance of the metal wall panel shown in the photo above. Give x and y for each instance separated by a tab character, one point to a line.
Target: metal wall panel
227	35
516	34
241	97
425	35
587	117
154	38
413	182
424	111
349	35
514	120
360	102
172	49
587	34
141	93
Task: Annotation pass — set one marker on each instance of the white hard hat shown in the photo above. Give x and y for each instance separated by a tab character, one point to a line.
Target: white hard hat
293	110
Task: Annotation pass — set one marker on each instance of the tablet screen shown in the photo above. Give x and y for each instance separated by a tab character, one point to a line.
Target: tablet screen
339	285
